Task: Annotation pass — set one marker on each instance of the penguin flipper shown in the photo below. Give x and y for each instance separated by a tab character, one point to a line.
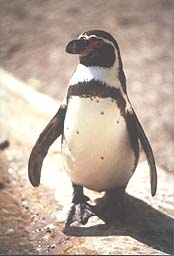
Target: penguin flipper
149	155
51	132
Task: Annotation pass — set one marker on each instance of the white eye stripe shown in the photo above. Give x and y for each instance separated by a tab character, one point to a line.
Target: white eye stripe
98	37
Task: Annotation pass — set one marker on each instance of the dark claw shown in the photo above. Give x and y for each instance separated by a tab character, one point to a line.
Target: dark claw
80	212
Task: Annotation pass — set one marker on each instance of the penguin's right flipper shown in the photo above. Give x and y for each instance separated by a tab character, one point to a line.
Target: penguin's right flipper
51	132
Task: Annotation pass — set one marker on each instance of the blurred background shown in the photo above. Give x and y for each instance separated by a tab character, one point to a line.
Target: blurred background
33	66
33	35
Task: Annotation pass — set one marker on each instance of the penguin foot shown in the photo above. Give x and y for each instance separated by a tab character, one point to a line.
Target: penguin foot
79	212
111	208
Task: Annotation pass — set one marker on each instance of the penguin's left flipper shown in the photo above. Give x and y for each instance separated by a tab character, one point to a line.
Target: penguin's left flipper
51	132
149	155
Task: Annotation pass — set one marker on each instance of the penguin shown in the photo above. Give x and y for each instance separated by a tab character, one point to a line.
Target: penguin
101	134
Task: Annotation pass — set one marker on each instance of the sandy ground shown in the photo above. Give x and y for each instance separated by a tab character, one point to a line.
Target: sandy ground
34	35
32	43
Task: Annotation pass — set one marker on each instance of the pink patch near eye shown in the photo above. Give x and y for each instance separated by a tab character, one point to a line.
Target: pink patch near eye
98	44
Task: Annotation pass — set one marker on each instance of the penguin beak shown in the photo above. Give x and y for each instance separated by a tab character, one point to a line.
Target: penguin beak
78	46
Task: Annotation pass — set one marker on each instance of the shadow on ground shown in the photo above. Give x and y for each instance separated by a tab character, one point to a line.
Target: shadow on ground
144	223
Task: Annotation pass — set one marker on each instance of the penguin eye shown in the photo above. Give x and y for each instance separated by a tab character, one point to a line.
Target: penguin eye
98	43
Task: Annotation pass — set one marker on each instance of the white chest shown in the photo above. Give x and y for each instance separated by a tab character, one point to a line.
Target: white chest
96	148
84	74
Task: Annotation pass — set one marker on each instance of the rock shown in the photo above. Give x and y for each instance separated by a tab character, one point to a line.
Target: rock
2	185
4	144
10	232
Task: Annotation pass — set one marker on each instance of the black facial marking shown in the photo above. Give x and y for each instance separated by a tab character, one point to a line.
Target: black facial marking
95	88
122	79
102	157
101	57
117	121
102	113
77	132
101	33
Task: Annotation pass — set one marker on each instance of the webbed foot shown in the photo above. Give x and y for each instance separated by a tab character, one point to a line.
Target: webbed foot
111	207
79	212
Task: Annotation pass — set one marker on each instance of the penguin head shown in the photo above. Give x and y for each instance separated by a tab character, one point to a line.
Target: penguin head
96	48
